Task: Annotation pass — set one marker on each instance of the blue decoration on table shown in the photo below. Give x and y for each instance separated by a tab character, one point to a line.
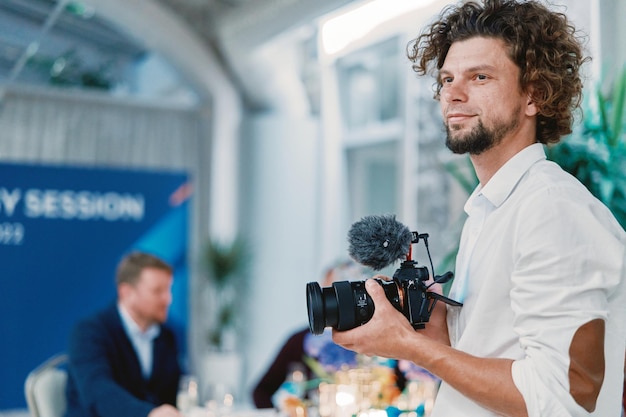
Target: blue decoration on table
393	411
327	353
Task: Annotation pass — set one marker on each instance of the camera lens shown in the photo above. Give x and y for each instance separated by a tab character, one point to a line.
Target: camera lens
344	305
316	308
330	306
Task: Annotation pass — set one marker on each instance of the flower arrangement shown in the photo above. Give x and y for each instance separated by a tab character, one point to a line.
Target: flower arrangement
345	383
325	357
419	393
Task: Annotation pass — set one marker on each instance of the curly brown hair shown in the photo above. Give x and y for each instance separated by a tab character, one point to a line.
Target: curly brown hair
542	43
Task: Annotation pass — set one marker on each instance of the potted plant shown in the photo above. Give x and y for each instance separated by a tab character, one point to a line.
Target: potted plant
225	264
595	152
222	365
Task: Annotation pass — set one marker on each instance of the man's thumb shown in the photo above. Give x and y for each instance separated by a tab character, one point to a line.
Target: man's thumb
374	289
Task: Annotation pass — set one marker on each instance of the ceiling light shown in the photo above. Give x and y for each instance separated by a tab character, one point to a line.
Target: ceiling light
340	31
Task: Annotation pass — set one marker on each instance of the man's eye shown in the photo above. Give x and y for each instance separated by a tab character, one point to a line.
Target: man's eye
446	80
481	77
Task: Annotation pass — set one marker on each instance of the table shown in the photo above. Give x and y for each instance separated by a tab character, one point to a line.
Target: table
235	412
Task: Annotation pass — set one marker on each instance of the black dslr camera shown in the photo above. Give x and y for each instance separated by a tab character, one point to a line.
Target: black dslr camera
346	304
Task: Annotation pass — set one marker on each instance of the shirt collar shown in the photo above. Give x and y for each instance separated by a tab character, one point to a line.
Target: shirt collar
501	185
133	329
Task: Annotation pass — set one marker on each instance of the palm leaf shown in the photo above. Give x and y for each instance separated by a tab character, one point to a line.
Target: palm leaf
463	172
619	96
595	153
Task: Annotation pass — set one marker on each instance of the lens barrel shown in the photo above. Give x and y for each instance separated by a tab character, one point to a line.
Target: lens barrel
344	305
316	308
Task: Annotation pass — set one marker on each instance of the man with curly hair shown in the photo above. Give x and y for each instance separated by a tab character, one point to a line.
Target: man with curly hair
541	265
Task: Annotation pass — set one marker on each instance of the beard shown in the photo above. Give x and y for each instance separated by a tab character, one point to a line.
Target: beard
480	138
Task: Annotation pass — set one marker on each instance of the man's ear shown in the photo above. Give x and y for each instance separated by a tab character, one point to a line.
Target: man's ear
531	107
124	290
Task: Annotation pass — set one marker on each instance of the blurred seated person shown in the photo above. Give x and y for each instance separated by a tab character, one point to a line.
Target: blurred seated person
124	359
304	355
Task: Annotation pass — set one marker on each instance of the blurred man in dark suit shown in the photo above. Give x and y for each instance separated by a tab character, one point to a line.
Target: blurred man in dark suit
124	360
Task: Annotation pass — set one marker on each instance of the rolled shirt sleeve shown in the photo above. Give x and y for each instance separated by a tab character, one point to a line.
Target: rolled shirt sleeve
560	284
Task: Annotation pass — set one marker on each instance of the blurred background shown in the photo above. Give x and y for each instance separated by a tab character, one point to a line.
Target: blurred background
239	139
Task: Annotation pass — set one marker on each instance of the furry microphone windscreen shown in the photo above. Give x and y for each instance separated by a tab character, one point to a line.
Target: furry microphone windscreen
378	240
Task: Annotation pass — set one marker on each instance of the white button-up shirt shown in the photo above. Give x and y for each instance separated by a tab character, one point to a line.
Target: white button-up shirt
539	257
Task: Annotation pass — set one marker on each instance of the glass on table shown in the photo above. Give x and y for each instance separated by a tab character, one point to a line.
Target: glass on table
187	397
221	399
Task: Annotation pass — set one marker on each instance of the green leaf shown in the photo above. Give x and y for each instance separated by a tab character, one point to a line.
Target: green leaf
463	172
226	261
619	95
317	368
595	153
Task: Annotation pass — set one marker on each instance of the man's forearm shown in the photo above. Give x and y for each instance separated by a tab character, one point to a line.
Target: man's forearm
486	381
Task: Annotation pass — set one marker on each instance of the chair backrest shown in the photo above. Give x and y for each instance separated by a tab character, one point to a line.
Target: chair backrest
45	388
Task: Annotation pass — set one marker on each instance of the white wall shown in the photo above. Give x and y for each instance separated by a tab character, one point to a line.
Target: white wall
280	189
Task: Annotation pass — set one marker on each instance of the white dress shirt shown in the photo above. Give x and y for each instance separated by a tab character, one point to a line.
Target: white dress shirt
539	257
141	341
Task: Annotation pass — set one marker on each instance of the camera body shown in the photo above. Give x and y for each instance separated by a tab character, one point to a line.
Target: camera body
346	304
410	280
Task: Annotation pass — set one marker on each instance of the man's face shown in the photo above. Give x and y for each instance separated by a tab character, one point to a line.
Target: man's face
480	100
149	299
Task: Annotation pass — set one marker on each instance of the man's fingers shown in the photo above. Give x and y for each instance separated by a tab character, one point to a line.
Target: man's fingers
375	290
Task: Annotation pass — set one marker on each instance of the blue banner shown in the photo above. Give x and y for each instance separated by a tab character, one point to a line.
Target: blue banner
62	232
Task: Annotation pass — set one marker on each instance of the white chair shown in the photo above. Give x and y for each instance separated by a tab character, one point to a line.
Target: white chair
45	388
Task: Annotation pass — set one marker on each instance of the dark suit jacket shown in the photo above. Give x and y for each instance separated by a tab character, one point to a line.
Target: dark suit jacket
104	375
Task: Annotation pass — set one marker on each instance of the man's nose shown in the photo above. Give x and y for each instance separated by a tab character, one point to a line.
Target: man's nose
454	91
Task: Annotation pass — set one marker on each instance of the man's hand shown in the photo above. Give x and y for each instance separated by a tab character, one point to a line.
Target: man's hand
388	333
437	326
165	410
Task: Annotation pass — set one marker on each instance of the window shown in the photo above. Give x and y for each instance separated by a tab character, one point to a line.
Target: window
368	83
373	179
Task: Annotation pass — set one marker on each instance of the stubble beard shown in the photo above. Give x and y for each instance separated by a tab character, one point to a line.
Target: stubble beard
480	138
